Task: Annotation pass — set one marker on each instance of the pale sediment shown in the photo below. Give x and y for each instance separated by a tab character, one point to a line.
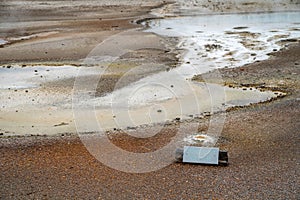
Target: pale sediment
262	141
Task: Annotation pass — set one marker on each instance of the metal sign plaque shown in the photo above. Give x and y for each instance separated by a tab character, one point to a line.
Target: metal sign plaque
201	155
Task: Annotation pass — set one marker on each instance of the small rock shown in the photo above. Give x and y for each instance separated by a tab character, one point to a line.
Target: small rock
159	111
61	124
130	128
207	114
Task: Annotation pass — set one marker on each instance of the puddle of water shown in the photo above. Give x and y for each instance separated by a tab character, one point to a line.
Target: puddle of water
230	40
153	100
18	77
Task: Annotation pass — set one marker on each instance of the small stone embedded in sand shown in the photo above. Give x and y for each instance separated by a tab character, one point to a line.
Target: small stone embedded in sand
207	114
240	27
177	119
61	124
131	128
210	47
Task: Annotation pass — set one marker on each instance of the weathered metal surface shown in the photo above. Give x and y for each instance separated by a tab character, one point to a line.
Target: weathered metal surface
201	155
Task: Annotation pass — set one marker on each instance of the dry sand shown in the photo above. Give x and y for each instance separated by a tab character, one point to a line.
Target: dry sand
262	140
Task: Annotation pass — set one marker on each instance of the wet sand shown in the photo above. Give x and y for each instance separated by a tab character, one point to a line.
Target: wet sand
262	140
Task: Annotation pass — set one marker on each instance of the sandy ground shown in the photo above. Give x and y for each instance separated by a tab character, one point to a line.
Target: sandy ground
262	140
58	31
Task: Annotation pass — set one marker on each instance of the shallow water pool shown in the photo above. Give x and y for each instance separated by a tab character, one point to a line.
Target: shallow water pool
231	40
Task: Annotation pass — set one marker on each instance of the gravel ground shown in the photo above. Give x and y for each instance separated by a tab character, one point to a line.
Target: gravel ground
262	141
